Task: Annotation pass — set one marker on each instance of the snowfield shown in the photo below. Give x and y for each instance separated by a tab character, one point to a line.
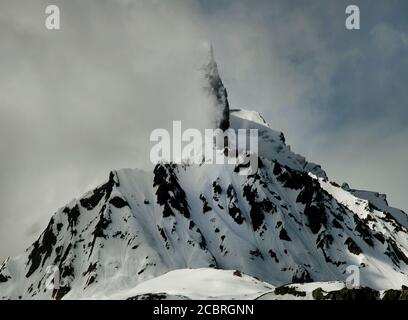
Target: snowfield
198	284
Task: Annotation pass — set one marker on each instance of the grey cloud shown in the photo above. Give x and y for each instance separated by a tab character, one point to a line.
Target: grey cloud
389	40
83	100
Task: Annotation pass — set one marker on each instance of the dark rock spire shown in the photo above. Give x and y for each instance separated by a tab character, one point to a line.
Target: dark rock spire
216	88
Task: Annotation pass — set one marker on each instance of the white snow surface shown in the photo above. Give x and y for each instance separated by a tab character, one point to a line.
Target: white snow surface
198	284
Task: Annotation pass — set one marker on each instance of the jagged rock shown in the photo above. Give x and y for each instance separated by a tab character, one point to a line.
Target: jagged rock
289	290
353	294
318	294
353	247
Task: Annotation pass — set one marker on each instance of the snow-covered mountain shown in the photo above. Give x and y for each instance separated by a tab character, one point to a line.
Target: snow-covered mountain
287	223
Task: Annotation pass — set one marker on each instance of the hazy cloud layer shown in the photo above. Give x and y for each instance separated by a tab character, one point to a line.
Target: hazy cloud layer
78	102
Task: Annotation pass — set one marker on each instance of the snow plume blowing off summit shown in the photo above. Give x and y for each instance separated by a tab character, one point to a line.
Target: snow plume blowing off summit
218	92
219	143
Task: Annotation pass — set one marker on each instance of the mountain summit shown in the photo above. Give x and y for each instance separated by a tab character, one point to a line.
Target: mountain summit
139	234
217	90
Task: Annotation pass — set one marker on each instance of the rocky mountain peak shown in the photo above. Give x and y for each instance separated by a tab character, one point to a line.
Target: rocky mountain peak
216	89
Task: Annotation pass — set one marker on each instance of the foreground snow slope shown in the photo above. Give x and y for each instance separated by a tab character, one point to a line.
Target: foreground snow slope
203	283
215	284
285	224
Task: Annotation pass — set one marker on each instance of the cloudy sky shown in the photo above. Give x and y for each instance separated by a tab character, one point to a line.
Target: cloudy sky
78	102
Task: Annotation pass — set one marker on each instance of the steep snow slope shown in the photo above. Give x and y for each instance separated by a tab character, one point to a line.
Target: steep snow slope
285	224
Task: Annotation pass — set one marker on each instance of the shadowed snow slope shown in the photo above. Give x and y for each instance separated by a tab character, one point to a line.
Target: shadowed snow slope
285	224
